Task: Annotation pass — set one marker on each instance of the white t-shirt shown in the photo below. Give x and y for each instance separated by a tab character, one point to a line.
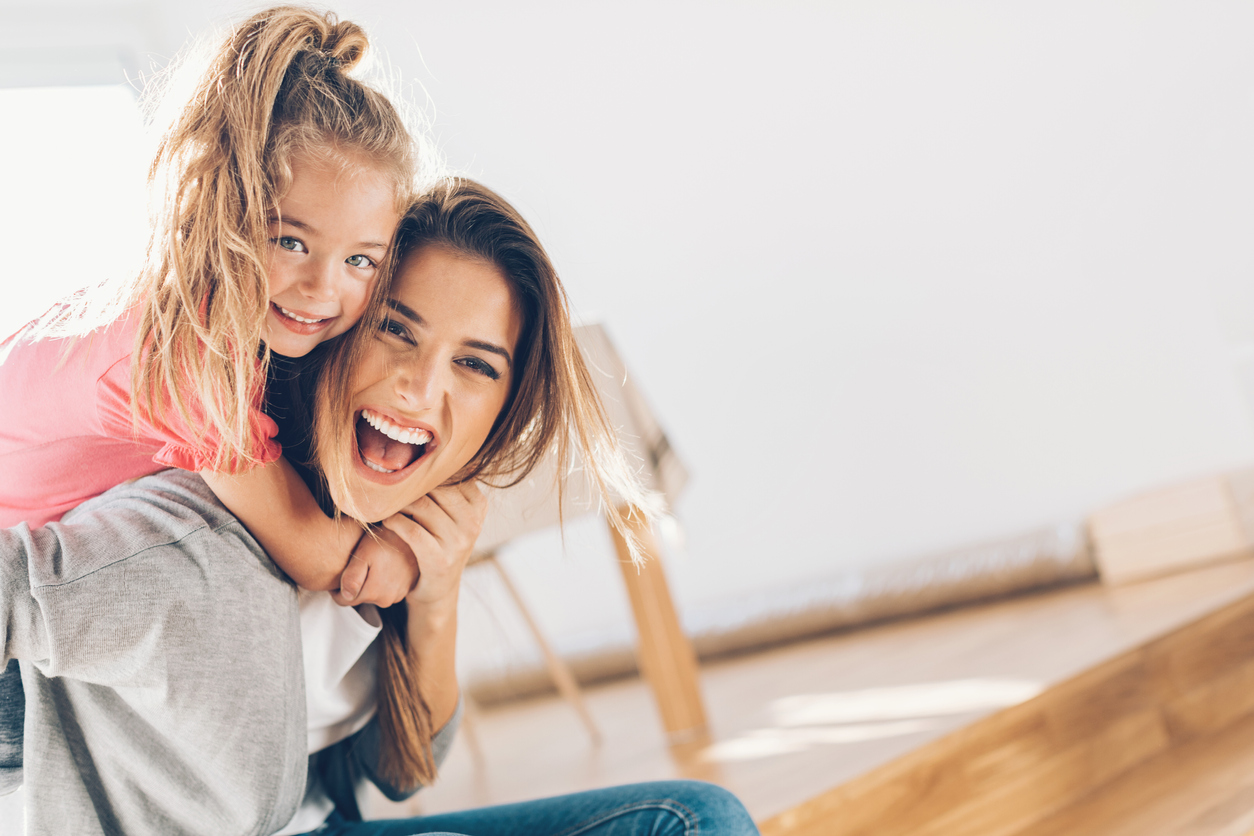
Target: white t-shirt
341	657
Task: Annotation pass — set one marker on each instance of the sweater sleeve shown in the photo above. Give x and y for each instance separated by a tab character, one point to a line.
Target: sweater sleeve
343	765
101	595
22	630
69	601
16	622
12	710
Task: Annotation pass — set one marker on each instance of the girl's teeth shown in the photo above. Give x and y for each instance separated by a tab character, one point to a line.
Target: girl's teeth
297	317
407	435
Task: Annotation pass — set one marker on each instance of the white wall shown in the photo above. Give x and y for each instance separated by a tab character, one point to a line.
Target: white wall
897	276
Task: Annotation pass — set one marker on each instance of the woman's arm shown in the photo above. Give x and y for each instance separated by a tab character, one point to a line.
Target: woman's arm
154	590
81	598
440	529
277	508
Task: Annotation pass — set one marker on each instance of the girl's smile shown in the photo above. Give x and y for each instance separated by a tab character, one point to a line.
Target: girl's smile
332	231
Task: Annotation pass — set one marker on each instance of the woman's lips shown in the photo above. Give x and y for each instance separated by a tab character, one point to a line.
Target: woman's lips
386	449
299	322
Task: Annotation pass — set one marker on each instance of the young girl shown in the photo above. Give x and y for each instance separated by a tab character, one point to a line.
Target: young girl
279	185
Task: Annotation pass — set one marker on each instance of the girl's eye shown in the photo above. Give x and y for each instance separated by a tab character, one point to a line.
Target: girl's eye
359	261
481	367
290	244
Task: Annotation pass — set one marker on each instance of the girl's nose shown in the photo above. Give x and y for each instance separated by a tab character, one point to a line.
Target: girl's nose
318	280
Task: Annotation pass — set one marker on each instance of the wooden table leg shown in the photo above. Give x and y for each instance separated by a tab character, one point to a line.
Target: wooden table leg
558	669
663	651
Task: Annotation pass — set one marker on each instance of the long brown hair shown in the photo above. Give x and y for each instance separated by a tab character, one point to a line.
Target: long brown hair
553	407
278	85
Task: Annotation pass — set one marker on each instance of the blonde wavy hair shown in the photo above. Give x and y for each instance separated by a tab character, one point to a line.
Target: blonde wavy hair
553	409
278	85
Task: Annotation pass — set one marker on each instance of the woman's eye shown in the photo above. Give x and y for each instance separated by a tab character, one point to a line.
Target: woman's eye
482	367
359	261
290	244
396	329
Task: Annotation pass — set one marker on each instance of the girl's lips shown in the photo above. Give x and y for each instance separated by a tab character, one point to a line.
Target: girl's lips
305	329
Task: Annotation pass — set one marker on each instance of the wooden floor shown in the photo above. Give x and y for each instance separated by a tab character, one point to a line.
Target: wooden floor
1204	788
791	724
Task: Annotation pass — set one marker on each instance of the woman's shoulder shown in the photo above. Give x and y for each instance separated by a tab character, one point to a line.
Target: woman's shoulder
176	500
169	508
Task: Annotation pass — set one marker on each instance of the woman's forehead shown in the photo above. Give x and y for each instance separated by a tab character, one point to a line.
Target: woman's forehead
442	286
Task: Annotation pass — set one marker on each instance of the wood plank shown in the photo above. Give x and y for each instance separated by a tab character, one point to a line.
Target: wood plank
1022	764
1168	530
1205	786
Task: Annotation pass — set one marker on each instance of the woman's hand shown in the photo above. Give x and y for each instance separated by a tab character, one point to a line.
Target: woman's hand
440	529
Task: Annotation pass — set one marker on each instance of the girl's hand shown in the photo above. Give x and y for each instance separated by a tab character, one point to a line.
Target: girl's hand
381	571
441	529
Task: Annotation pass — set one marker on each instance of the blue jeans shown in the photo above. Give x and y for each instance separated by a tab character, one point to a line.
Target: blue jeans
657	808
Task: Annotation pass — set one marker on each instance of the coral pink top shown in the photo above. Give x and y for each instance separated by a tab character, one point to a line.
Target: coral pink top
66	432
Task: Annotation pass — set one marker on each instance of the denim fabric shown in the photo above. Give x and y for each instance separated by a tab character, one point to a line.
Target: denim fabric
657	808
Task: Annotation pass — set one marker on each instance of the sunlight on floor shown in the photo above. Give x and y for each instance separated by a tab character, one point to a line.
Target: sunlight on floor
807	720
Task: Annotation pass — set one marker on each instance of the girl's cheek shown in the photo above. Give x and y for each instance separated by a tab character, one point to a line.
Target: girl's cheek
352	307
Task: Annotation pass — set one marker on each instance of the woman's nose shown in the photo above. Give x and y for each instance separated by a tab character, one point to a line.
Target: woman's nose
423	381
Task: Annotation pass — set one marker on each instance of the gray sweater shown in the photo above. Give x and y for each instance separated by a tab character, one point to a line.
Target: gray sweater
161	658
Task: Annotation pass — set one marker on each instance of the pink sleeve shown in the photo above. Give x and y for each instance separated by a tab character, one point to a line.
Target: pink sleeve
181	447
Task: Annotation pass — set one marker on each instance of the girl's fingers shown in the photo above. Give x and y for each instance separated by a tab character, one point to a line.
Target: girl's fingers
352	580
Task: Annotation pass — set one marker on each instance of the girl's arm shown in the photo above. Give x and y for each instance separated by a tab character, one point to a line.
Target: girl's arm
277	508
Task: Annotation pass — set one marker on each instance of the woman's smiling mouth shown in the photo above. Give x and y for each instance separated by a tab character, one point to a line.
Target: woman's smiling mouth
386	447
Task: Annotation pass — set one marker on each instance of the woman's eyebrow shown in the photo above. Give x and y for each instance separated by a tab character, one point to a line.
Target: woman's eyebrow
405	310
492	347
411	314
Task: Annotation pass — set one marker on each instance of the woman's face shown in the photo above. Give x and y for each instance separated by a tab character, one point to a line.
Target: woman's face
433	381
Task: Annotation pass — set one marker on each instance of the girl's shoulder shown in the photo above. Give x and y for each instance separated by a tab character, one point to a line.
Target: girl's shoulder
59	348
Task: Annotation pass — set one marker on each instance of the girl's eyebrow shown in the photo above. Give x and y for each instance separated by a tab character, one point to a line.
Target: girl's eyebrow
410	314
301	225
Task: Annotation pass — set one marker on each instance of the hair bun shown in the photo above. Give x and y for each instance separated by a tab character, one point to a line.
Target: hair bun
345	43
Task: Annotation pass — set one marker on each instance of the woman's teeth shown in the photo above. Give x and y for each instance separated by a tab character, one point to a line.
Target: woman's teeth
298	317
405	435
376	467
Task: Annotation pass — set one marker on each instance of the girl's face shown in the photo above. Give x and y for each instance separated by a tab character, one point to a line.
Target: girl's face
434	379
334	226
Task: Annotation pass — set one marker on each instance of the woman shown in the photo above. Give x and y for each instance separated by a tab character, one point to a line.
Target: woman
472	372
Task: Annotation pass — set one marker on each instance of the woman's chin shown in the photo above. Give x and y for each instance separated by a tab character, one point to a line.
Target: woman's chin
382	493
